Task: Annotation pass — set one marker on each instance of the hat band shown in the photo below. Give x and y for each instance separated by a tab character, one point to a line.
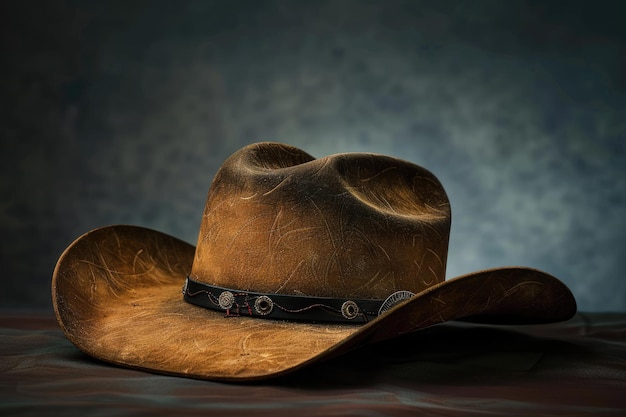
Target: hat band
287	307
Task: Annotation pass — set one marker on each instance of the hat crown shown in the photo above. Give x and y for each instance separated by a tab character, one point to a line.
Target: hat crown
355	225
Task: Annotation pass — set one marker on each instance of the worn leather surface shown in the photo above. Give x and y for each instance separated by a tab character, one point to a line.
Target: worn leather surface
117	296
349	225
277	220
575	368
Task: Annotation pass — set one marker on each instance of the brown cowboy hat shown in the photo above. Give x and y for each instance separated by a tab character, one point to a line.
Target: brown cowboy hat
298	260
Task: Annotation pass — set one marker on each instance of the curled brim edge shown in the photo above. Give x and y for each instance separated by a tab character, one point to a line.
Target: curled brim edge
116	294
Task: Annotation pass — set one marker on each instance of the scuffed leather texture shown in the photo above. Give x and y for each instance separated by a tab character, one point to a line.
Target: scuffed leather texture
574	368
343	226
117	296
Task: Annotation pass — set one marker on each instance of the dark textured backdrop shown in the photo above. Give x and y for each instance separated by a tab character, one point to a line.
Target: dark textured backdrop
121	112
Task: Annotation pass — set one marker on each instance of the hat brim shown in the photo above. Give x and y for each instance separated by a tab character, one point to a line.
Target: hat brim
117	296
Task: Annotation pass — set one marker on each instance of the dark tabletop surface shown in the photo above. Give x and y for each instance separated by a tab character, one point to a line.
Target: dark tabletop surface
575	368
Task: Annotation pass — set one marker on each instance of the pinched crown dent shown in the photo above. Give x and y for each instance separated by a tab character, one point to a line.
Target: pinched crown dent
271	156
393	186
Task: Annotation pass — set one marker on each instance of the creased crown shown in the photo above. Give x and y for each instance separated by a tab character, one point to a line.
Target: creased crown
354	225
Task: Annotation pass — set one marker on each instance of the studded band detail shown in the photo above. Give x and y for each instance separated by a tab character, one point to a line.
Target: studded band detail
288	307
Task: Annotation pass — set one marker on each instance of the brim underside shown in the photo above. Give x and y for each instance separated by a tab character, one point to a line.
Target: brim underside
117	296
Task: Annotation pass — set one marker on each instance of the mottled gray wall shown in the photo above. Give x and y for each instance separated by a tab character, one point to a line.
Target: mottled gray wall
121	112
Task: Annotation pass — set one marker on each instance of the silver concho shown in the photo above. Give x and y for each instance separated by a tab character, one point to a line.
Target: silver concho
226	300
263	305
395	298
184	290
349	310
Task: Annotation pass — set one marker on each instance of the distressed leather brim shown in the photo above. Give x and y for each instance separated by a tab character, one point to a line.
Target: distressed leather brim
117	296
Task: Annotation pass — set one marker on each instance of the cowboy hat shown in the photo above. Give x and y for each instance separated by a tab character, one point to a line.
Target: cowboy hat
298	259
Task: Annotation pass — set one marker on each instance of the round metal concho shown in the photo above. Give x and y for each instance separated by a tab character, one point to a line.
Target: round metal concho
226	300
394	299
263	305
349	310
